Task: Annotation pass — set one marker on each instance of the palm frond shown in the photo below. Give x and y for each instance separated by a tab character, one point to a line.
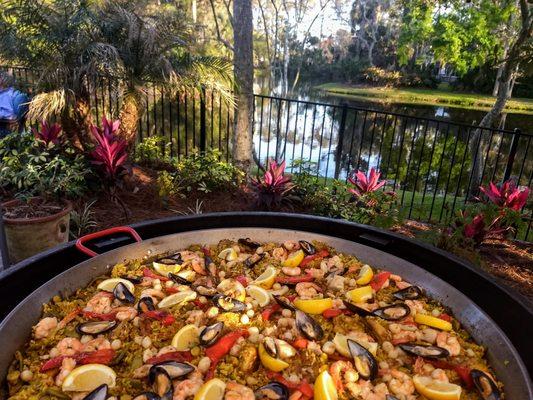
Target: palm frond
45	105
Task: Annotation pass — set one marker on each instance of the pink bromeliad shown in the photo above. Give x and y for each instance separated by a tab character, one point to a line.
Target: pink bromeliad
365	185
47	132
508	195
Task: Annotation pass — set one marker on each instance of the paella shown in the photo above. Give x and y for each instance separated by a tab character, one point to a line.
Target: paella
249	320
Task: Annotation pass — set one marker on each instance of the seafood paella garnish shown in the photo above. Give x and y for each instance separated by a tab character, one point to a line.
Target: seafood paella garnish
247	320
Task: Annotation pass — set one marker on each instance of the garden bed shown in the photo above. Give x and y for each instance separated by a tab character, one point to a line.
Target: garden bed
511	261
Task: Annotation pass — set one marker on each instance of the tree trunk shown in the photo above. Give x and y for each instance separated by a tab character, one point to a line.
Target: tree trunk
244	77
76	124
129	119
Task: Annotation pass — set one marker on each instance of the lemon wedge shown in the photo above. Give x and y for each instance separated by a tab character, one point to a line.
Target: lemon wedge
365	275
186	338
228	254
232	288
211	390
259	294
341	345
294	259
177	298
269	362
436	390
434	322
325	387
360	295
88	377
313	306
267	278
109	284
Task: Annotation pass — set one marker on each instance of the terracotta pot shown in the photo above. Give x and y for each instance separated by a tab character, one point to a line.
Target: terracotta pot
28	236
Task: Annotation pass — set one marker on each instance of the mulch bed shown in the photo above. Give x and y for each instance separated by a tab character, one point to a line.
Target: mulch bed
510	261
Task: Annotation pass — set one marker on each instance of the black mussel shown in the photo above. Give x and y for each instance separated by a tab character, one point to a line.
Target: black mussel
161	382
424	350
284	303
205	291
272	391
485	385
179	279
307	247
174	369
270	346
100	393
308	326
364	362
145	304
409	293
210	334
228	304
391	397
122	293
96	327
147	396
173	259
356	309
253	259
133	279
247	242
394	312
336	271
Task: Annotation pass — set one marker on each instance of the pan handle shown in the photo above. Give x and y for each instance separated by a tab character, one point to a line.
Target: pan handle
80	243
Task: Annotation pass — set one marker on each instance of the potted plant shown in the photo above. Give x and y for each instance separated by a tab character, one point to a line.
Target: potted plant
40	173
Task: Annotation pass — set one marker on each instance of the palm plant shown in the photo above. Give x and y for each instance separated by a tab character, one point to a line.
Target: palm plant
137	48
54	39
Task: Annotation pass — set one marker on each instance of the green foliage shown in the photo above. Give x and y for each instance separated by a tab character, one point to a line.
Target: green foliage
204	172
82	221
416	28
31	168
382	77
153	151
333	200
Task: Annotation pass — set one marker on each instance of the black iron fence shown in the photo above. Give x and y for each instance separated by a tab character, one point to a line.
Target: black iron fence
434	165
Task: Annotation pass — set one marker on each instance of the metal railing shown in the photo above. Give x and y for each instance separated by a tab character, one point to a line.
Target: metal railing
434	165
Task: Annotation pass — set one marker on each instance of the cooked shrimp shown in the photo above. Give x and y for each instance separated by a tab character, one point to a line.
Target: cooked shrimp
147	282
307	289
334	261
195	261
449	342
359	335
142	371
125	313
440	375
427	335
188	387
401	384
234	391
99	343
196	317
69	317
100	303
154	294
402	285
343	373
67	365
69	346
291	245
291	271
45	327
367	391
416	306
402	333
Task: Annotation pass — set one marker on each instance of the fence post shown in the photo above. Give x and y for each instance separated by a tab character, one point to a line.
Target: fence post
340	140
4	256
512	155
203	130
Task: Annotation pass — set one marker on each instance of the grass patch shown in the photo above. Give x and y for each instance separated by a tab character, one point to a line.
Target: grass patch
425	96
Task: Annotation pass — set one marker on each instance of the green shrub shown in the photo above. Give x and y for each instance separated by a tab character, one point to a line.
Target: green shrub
153	151
205	172
32	168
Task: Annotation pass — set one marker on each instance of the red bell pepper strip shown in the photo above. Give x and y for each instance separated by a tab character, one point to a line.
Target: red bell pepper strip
396	342
306	389
461	370
147	272
224	344
293	280
69	317
379	280
179	356
242	279
102	317
308	259
163	316
267	312
334	312
300	343
94	357
445	317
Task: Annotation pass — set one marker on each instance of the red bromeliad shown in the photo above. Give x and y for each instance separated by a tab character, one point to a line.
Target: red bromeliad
47	133
365	185
508	195
273	186
110	151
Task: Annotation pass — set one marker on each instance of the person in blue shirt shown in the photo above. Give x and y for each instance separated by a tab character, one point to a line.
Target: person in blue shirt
13	107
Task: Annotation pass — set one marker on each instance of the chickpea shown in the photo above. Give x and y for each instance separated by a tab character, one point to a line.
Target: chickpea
26	375
250	313
115	344
276	286
245	319
328	347
286	313
204	364
169	284
146	342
